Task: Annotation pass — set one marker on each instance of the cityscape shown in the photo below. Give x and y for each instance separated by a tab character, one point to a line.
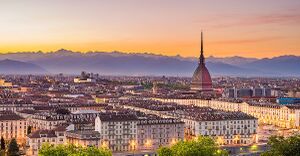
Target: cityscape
148	98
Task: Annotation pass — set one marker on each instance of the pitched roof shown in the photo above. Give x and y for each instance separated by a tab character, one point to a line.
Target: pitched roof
9	115
42	133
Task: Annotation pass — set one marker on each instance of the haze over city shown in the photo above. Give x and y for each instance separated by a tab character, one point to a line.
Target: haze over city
150	78
253	28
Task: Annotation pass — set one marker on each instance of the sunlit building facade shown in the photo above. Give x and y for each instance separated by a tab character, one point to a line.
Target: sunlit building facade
118	131
283	116
153	133
83	138
13	126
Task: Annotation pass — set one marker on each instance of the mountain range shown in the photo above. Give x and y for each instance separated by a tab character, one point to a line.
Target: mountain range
118	63
17	67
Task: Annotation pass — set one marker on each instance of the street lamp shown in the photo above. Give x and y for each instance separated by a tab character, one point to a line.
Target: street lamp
132	144
220	140
148	143
104	144
173	142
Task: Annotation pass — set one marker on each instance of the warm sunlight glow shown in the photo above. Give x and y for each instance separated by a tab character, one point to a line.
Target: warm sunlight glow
161	27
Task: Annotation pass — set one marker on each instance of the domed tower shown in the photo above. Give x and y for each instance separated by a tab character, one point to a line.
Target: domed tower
201	80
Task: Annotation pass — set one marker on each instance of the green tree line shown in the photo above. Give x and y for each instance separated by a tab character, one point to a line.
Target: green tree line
201	146
280	146
72	150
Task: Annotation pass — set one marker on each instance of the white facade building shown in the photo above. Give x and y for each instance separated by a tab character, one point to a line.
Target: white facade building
118	131
283	116
153	133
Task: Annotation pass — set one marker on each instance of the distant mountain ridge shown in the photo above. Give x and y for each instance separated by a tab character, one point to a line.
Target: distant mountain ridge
118	63
235	60
8	66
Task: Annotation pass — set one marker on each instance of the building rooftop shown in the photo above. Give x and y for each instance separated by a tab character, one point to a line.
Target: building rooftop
85	112
9	115
208	114
150	104
83	135
42	133
118	117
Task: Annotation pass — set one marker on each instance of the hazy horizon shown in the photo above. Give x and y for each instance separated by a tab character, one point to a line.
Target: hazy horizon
148	53
254	28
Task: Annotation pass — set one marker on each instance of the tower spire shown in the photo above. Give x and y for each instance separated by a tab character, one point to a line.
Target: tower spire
201	59
201	42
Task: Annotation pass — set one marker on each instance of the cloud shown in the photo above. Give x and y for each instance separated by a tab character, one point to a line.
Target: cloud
249	41
288	17
272	19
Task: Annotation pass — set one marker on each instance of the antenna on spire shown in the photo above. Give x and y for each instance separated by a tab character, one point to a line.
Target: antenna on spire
201	59
201	41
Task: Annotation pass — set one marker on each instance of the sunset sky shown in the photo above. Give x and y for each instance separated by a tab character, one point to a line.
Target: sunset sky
250	28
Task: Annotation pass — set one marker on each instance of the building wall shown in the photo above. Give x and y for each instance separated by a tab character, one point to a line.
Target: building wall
152	136
35	144
83	142
15	107
44	124
224	131
280	116
295	94
14	129
118	136
233	131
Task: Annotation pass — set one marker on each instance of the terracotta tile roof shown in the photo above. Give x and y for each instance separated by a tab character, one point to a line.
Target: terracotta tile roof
42	133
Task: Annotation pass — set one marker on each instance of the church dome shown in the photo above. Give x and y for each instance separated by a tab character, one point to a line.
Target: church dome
201	80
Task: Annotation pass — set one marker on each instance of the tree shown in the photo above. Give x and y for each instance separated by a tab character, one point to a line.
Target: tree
13	148
201	146
2	143
164	151
71	150
29	129
280	146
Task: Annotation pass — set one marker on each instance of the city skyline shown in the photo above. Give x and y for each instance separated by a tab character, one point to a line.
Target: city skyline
150	77
235	28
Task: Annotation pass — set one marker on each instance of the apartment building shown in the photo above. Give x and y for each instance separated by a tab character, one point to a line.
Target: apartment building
118	131
85	138
36	139
284	116
46	120
154	131
226	127
13	126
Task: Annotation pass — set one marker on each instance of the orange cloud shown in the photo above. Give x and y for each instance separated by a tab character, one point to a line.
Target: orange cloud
248	41
290	16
